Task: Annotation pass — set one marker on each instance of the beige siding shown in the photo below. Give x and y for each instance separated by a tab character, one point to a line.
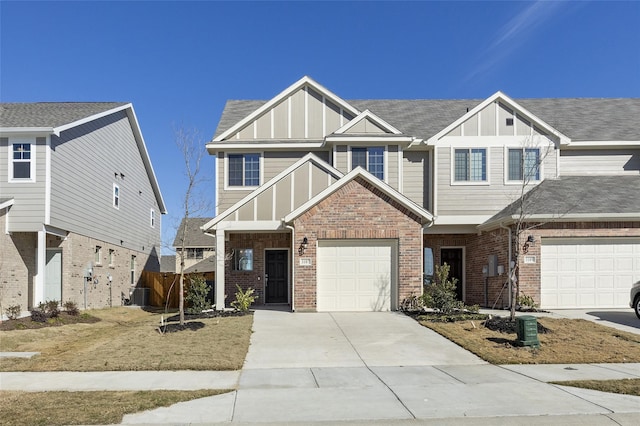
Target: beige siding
28	212
488	120
332	117
314	115
342	161
298	115
606	162
283	197
415	168
246	212
281	120
265	205
263	125
392	167
301	186
481	199
471	126
523	126
319	181
366	127
504	113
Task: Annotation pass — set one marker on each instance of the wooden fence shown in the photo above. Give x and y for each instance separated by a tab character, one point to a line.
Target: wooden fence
166	285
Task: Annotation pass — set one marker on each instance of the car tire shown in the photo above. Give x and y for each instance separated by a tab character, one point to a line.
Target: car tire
636	306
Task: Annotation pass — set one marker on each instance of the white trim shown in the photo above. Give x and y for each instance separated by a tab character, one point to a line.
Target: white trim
602	144
385	159
57	130
39	131
249	225
499	96
401	170
32	142
434	196
47	181
360	172
152	217
7	203
272	182
304	81
541	159
454	182
460	219
368	139
306	112
213	148
559	217
366	114
492	141
114	196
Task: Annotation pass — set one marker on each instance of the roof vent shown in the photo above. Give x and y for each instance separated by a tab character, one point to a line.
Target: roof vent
509	121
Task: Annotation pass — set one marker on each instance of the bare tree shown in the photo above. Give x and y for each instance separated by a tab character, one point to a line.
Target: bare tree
192	149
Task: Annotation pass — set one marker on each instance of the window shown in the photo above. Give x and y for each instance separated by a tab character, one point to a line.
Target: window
116	196
370	159
98	255
524	164
21	162
111	252
470	165
152	218
244	169
428	265
243	260
195	253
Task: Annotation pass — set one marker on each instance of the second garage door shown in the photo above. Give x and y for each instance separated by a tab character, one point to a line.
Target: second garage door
588	273
356	275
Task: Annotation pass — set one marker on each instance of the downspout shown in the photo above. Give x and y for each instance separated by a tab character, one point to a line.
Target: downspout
293	266
509	262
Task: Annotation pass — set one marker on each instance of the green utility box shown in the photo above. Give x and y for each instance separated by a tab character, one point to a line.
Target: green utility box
527	330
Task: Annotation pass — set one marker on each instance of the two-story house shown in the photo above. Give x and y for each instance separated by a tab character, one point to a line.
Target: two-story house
327	204
80	206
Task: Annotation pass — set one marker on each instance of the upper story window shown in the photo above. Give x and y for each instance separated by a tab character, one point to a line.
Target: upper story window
98	255
470	165
152	218
524	164
116	196
22	162
244	169
195	253
370	159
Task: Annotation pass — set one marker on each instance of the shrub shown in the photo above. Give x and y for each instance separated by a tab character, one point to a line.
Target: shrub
526	301
71	308
52	308
38	314
13	312
441	295
44	311
244	299
197	294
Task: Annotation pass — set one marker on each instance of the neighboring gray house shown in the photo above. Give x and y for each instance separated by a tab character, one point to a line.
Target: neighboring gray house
200	248
80	206
329	204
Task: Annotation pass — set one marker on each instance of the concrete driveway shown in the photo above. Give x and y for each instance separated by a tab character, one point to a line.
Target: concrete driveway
304	340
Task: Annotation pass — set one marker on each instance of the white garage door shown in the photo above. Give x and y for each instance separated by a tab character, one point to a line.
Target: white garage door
356	275
588	273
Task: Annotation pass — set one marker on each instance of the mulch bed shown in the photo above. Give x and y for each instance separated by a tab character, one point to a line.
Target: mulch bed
63	318
505	325
173	323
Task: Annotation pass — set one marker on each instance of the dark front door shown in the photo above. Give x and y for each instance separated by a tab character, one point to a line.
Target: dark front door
276	273
453	258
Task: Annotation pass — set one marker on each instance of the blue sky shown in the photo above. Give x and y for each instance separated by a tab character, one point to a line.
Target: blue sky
178	62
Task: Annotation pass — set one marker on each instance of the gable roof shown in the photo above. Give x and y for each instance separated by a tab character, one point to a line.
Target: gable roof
571	198
194	236
361	173
581	119
168	263
56	117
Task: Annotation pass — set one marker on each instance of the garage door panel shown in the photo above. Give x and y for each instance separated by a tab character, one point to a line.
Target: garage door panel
588	273
364	281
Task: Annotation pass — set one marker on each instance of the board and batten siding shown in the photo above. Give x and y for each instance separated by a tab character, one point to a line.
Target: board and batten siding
273	163
86	161
482	199
599	161
28	211
416	177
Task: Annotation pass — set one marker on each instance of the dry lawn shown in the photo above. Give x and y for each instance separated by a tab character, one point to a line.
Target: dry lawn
127	339
85	408
567	342
625	386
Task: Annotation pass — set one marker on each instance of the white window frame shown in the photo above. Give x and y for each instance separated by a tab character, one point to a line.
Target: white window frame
152	218
98	255
116	196
111	256
32	166
455	182
385	158
243	187
508	181
132	266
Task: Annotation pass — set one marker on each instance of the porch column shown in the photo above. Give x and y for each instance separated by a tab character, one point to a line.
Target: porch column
220	256
41	258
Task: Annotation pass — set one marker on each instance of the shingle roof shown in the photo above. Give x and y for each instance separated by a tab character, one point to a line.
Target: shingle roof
574	195
168	263
194	236
50	114
590	119
205	265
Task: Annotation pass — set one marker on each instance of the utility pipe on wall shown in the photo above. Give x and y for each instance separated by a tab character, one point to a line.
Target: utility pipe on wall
293	265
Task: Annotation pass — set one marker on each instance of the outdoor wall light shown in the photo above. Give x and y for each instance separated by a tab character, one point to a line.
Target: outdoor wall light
531	240
303	246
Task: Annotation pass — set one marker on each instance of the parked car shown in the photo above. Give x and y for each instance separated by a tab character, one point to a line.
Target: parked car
634	298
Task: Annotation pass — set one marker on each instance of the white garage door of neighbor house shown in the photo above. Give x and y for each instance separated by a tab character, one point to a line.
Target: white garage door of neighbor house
356	275
588	273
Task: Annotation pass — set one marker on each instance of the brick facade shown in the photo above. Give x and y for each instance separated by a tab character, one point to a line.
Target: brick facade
18	268
359	210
